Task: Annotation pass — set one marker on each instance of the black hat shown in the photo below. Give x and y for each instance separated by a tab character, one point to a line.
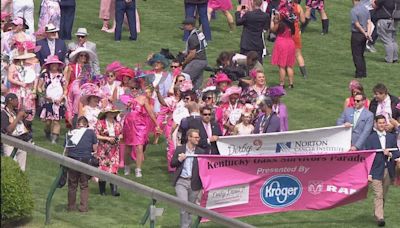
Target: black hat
189	21
165	52
10	97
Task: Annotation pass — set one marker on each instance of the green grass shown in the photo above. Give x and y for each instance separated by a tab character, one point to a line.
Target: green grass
315	102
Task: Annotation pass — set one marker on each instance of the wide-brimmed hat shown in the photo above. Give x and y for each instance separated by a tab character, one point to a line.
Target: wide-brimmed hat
106	110
114	66
17	21
23	55
31	46
126	71
51	28
88	90
222	77
158	58
53	59
75	53
230	91
276	91
81	32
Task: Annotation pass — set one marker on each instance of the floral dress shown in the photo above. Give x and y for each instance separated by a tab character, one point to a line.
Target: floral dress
53	83
49	13
91	114
26	96
107	153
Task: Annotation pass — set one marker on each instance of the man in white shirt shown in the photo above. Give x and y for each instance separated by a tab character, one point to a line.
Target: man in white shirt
51	45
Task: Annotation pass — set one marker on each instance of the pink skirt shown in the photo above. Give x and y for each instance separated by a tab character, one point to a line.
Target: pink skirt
223	5
284	52
135	129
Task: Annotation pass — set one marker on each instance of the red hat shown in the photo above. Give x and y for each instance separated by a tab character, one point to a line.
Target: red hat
221	77
126	71
114	66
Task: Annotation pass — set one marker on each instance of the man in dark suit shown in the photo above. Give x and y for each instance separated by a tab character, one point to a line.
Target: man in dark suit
186	178
254	23
383	167
208	129
268	122
67	8
51	45
361	119
194	111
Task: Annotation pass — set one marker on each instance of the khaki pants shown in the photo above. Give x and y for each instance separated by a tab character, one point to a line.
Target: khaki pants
184	192
380	188
20	156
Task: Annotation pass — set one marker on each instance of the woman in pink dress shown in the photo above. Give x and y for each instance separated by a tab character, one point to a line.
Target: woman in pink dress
136	128
355	87
166	122
229	112
109	133
23	76
284	52
224	6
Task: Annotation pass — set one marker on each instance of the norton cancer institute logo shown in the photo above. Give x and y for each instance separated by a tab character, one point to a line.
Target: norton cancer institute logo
281	191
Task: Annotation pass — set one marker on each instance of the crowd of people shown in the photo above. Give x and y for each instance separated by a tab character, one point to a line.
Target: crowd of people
111	113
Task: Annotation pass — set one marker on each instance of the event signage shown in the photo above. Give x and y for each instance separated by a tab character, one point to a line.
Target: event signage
317	140
238	186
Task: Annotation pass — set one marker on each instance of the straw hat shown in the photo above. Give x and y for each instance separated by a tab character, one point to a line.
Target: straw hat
81	32
51	28
103	113
23	55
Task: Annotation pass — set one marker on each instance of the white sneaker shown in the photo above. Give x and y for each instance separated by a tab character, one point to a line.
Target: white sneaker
370	48
138	172
127	170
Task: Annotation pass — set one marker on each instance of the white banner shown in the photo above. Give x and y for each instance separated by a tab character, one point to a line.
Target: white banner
317	140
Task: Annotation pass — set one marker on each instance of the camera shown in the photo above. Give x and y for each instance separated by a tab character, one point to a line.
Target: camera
116	139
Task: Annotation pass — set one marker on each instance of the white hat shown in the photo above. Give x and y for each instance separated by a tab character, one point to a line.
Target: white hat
81	32
75	53
51	28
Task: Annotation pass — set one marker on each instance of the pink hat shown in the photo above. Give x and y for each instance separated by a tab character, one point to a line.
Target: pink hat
114	66
126	71
88	90
398	106
4	15
186	85
230	91
253	74
221	77
31	46
51	59
18	21
354	84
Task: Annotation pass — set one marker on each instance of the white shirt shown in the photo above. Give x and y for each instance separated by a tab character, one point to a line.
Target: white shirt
357	113
187	164
52	46
382	138
157	78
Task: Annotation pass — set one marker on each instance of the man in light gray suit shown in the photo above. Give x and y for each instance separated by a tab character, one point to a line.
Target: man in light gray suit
360	119
82	41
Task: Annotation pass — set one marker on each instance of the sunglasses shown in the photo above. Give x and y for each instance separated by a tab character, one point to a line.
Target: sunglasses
209	98
358	101
174	66
181	80
206	114
136	88
81	37
187	98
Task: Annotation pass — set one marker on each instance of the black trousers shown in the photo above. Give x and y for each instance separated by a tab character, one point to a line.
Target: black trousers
358	41
121	7
66	21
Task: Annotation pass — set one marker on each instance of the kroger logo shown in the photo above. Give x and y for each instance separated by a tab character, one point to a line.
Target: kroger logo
281	191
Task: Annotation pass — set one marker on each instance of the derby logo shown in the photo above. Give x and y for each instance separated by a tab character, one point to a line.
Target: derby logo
281	191
315	187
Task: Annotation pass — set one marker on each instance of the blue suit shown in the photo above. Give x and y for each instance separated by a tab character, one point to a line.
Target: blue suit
363	127
381	160
60	50
67	8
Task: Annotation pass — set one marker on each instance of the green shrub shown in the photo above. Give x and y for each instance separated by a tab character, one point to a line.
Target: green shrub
16	196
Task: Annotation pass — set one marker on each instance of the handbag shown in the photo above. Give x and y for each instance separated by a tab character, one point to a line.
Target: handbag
93	161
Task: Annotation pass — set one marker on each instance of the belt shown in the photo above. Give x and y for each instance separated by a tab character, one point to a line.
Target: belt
186	178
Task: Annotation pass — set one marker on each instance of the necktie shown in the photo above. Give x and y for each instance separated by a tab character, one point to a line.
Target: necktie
356	116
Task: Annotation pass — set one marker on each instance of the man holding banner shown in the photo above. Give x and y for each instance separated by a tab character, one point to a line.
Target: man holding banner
186	178
383	167
360	119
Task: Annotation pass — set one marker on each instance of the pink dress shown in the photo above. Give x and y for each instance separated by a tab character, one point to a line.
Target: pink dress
107	153
165	121
26	97
136	125
223	5
284	52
